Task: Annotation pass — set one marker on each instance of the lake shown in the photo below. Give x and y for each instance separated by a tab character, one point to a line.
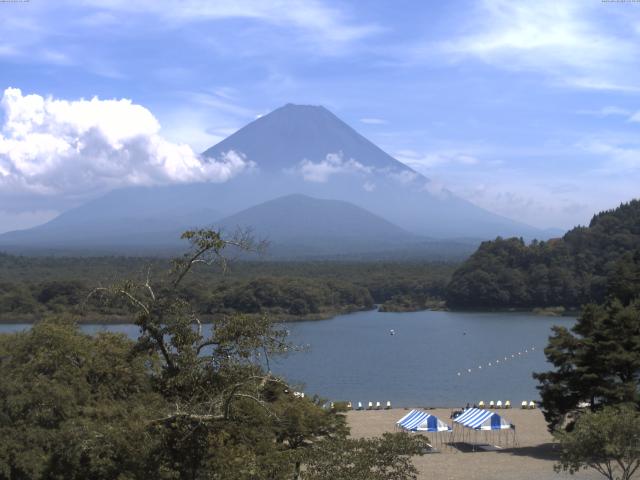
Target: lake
354	357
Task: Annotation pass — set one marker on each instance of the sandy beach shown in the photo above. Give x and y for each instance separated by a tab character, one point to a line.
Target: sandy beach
532	459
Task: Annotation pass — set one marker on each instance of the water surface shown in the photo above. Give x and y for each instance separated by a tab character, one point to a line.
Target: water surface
354	357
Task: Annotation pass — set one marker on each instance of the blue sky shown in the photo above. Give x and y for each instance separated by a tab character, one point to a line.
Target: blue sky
529	109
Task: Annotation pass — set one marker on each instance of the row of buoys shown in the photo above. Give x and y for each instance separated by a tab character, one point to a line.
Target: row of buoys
371	406
498	361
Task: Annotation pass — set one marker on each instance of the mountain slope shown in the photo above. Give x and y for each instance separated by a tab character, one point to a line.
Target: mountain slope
293	133
303	225
307	149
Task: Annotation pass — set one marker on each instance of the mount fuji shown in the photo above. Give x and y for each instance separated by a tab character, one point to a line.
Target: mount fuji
295	152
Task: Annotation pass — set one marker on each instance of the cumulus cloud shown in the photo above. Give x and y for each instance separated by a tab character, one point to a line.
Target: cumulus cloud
333	164
82	147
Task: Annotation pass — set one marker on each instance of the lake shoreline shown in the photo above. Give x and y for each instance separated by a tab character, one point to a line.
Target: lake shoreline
93	319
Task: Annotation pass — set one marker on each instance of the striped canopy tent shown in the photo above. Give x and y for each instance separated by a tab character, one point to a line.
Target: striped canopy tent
490	424
480	419
419	421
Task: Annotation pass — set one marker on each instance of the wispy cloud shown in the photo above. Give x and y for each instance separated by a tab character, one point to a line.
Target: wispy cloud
318	20
567	41
373	121
617	158
607	111
431	159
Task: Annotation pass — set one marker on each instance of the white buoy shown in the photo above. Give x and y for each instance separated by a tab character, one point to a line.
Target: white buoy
489	363
480	366
469	370
458	373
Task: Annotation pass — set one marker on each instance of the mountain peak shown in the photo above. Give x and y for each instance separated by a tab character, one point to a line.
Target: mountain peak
295	133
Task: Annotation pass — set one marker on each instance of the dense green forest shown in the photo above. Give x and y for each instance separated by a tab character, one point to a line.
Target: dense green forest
33	287
570	271
175	404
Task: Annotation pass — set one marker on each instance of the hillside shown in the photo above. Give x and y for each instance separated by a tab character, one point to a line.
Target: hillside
581	267
306	226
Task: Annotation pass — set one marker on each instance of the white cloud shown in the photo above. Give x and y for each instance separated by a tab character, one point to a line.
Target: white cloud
577	43
323	23
607	111
373	121
84	147
369	186
617	158
436	158
403	176
333	164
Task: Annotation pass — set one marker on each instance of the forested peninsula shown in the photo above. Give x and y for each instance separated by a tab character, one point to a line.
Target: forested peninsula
581	267
32	288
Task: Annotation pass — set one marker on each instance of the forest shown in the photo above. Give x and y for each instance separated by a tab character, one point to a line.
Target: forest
176	403
569	272
34	287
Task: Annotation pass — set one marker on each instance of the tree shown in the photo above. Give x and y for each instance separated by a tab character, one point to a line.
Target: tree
184	401
607	441
597	361
385	458
226	415
74	406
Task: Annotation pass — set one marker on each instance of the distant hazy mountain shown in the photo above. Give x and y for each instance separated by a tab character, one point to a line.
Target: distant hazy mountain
296	150
307	149
302	225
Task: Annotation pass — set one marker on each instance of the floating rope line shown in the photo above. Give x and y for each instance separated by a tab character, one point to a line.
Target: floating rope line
506	358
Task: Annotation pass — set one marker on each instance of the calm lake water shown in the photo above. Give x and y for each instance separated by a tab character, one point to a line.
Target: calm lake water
354	357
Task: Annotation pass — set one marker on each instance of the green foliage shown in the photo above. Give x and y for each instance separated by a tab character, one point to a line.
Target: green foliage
33	287
385	458
607	441
598	361
176	404
73	406
582	267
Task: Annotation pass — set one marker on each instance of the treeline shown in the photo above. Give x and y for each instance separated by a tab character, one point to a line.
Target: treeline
34	287
571	271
